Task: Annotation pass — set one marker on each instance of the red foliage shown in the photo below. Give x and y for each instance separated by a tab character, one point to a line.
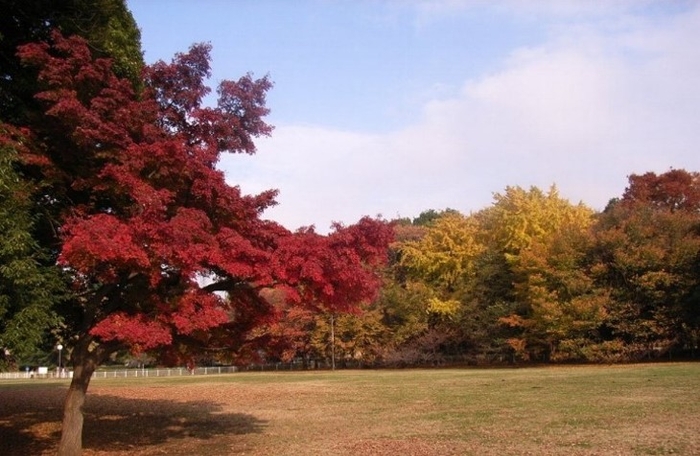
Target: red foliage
289	336
148	227
334	272
676	189
136	331
179	88
101	245
198	311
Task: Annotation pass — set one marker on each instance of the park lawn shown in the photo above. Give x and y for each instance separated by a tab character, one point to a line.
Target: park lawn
647	409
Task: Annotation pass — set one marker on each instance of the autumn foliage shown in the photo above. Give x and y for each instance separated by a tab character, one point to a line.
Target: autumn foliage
531	278
536	278
161	254
121	235
145	216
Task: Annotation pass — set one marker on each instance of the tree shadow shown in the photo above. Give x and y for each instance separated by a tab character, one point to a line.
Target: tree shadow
30	422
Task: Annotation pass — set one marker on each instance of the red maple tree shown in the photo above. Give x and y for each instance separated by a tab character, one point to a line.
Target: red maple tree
160	252
676	189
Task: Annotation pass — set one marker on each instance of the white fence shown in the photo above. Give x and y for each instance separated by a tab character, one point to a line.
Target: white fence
124	373
171	372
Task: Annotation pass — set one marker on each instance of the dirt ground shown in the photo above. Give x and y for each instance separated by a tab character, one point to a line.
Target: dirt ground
194	420
127	421
316	418
189	420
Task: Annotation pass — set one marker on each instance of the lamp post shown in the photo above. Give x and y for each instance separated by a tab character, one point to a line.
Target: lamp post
59	347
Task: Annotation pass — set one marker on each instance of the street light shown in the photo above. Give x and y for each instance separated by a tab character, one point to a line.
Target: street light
59	347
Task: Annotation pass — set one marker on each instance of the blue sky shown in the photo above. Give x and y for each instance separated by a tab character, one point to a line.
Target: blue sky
395	107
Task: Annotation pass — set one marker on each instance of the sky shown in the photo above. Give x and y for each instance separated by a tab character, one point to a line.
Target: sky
390	108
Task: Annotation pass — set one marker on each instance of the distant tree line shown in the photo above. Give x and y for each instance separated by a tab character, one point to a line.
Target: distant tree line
531	278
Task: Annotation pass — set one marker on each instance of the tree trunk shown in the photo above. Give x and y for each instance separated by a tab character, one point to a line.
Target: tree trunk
72	428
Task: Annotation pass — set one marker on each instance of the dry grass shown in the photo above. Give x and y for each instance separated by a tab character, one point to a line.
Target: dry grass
621	410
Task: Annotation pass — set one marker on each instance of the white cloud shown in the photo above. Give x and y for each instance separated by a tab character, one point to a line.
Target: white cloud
592	105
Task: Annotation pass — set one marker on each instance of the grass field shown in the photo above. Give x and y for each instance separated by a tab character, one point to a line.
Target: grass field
587	410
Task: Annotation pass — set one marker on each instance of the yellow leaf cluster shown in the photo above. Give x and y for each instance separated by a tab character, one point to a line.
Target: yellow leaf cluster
446	255
444	308
519	218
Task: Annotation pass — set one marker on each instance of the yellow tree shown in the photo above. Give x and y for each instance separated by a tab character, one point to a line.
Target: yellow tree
561	307
518	218
438	269
445	259
538	239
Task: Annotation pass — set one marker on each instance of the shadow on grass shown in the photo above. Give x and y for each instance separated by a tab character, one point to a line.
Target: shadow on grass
30	421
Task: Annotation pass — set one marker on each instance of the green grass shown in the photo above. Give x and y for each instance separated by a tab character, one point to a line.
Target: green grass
631	409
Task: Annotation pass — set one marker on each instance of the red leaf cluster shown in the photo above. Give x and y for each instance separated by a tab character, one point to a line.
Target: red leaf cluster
101	245
334	272
136	331
198	311
676	189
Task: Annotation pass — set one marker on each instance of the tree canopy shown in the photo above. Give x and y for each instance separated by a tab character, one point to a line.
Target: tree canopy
159	252
535	278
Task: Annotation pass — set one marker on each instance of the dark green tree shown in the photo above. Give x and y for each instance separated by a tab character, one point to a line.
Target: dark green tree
29	282
27	288
107	25
429	216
